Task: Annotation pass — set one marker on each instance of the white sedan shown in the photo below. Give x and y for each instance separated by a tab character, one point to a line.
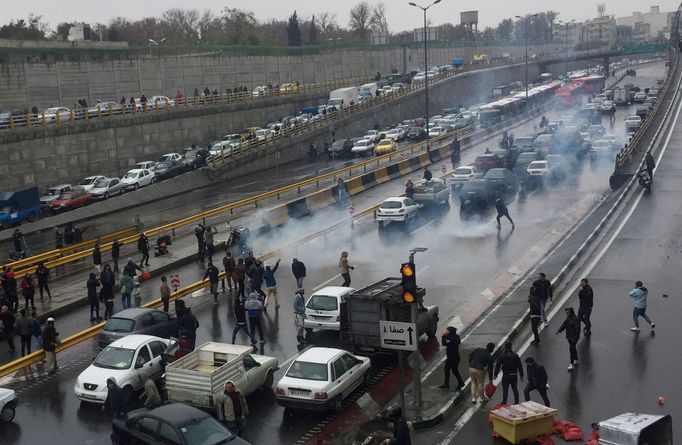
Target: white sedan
539	168
52	113
171	157
363	147
373	135
633	122
464	173
396	134
321	378
436	131
89	182
137	178
400	208
129	361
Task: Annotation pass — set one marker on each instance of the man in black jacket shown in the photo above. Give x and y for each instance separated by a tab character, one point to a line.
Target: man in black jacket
451	341
572	327
510	363
213	275
115	403
542	287
479	360
537	380
586	297
401	432
535	317
143	248
298	269
115	254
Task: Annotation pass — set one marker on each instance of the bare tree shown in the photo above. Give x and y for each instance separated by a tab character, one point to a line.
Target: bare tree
327	23
359	19
181	25
378	21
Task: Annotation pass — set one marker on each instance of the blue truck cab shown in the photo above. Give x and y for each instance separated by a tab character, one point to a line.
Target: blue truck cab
19	206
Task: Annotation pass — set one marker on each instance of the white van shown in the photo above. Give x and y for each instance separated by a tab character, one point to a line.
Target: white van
323	309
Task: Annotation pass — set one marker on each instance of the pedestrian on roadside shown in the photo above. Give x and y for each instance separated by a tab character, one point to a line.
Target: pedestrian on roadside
480	359
107	280
115	254
50	343
233	409
572	327
542	287
345	268
189	325
126	285
8	319
136	293
18	240
115	401
9	285
36	330
401	431
78	234
229	265
249	261
299	315
639	294
586	297
199	231
150	396
271	285
451	341
92	284
212	273
209	241
131	268
535	317
257	274
409	189
43	275
537	380
165	294
58	238
143	248
28	290
240	322
650	164
97	257
254	308
299	271
502	210
240	277
510	364
24	329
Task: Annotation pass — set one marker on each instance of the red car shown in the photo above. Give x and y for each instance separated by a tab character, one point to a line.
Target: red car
487	161
76	197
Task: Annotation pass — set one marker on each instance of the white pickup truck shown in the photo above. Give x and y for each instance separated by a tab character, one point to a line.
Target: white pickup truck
199	378
434	191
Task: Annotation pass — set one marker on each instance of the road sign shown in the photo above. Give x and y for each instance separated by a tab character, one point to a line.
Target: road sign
397	335
175	282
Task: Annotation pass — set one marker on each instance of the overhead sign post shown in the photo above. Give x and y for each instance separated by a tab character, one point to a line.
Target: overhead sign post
397	335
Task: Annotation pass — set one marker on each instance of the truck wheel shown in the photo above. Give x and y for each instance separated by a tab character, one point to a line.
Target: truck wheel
31	217
433	327
269	380
7	414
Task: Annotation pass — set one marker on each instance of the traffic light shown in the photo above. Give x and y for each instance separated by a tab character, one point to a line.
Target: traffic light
409	282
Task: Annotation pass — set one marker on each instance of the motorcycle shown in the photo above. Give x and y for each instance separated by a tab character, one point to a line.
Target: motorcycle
237	236
645	180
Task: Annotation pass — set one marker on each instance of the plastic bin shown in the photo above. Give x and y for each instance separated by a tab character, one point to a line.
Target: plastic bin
526	420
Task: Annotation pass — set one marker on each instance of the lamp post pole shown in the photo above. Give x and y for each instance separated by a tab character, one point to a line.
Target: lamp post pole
526	32
426	72
566	51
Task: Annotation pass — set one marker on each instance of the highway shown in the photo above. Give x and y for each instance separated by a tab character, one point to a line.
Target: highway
467	256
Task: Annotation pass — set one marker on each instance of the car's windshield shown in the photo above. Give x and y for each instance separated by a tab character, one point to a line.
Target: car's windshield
114	358
131	175
495	173
339	144
601	144
523	142
462	171
538	164
474	185
52	192
525	157
362	143
323	303
308	371
102	183
162	165
87	181
66	195
205	431
391	205
119	325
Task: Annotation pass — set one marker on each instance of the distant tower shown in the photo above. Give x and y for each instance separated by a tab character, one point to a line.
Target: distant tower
601	9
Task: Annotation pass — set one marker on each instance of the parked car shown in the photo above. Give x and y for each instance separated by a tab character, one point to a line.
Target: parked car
170	157
541	169
161	102
129	360
167	169
523	143
416	134
74	198
503	180
145	321
463	174
341	148
436	131
613	140
400	208
373	135
171	424
485	162
137	178
397	134
639	97
53	193
52	113
632	122
263	134
194	157
323	309
8	404
148	165
106	187
385	146
363	147
522	162
476	191
321	378
88	183
601	148
105	109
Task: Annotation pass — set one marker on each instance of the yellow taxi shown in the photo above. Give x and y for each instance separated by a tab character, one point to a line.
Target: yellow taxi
385	146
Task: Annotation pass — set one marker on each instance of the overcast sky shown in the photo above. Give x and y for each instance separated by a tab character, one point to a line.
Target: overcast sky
401	16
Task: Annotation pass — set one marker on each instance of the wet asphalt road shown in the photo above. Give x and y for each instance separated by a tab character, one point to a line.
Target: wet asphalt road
465	252
621	371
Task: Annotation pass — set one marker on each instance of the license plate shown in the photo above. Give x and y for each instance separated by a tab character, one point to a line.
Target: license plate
87	396
299	392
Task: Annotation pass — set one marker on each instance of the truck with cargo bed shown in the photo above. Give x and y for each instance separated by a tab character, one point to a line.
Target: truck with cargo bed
342	98
430	192
366	307
19	206
199	377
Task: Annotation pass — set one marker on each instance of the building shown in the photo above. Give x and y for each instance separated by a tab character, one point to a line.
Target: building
624	34
599	32
658	24
568	34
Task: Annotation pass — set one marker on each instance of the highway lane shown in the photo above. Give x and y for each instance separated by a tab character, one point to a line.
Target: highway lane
620	371
466	253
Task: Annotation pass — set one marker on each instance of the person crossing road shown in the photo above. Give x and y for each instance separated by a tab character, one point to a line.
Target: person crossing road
537	380
586	297
510	365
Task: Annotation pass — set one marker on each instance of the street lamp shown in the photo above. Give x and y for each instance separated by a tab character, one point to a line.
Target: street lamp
526	26
426	72
153	42
566	56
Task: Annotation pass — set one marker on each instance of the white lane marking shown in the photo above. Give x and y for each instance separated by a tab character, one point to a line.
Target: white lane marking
556	308
335	277
424	226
